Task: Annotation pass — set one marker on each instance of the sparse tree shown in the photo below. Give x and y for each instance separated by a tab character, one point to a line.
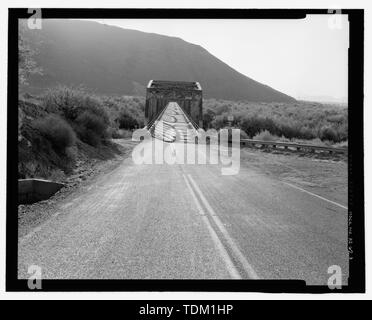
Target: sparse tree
26	63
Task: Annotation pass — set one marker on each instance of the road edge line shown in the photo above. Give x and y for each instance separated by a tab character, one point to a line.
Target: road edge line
315	195
246	265
225	256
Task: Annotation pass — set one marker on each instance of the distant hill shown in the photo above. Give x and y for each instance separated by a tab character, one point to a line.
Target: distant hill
325	99
112	60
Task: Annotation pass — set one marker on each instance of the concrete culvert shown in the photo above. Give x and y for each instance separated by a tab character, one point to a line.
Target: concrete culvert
34	190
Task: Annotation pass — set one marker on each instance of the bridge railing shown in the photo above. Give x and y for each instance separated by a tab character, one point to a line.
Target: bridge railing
196	126
297	146
157	116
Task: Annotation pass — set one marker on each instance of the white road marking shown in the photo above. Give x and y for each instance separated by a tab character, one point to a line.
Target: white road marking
246	265
225	256
315	195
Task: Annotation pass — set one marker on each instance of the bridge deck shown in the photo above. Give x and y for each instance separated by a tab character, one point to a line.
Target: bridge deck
171	122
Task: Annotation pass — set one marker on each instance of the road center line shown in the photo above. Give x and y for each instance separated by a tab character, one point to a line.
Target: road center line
246	265
225	256
315	195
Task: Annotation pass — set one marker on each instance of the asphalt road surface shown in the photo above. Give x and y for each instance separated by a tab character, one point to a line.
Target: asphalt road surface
188	221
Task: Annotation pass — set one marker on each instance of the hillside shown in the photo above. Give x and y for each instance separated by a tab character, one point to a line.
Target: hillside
115	61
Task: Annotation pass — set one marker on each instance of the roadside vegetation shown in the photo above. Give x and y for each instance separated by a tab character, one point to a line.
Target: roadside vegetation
66	124
304	121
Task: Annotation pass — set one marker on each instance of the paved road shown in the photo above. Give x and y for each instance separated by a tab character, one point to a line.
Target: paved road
189	221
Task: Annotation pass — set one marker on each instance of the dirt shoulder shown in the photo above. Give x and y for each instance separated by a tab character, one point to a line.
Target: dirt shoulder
84	174
321	174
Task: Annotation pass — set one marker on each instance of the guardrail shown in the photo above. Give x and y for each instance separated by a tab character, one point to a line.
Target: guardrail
297	146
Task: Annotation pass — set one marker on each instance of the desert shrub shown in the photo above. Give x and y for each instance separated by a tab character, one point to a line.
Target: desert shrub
306	133
289	131
343	144
92	122
255	125
65	100
301	120
88	136
328	133
250	126
126	121
342	131
222	109
132	106
265	136
84	111
284	139
243	135
90	127
337	118
71	102
57	131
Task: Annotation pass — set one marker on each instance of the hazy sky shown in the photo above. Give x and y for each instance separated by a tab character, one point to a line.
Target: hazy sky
302	58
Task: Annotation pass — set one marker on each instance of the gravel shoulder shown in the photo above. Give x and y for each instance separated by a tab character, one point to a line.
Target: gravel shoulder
322	174
84	174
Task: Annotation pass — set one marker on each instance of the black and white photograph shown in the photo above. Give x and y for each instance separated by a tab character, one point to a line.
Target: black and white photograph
185	150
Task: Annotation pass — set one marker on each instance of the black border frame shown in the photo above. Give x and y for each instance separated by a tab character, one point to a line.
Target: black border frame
356	283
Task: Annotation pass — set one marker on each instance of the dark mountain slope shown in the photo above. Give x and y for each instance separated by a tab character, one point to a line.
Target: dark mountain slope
112	60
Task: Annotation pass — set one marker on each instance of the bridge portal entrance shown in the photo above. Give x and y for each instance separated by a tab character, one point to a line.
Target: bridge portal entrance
187	95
